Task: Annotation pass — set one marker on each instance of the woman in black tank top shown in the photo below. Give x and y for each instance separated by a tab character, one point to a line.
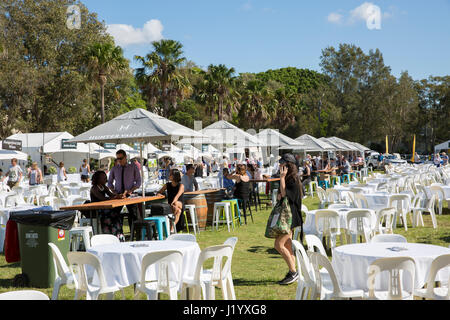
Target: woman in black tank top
175	191
242	186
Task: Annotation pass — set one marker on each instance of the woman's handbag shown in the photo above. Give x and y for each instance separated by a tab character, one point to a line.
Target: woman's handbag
280	220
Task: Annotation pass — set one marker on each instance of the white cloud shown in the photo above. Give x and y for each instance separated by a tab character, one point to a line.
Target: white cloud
363	12
126	35
335	17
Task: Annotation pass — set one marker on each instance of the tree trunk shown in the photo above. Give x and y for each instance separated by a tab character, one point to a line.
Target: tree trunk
102	90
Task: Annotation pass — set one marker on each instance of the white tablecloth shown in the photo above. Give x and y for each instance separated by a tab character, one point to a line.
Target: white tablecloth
310	223
4	217
122	262
380	200
351	262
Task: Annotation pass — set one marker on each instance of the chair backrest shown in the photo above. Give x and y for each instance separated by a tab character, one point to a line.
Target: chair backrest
393	265
382	186
182	237
163	259
361	227
357	190
327	220
437	190
10	201
313	242
361	201
231	242
61	268
24	295
83	259
333	195
306	280
401	201
78	201
389	238
304	209
103	239
319	260
321	194
386	216
438	264
219	270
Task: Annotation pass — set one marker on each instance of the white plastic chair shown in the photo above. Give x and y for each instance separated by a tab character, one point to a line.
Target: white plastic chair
331	290
323	200
334	197
431	291
362	220
385	216
439	192
306	287
297	230
24	295
232	241
328	226
63	275
103	239
182	237
402	203
165	282
389	238
92	291
361	201
417	212
313	242
202	284
395	289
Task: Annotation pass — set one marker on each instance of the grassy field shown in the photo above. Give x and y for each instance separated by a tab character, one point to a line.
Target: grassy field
256	265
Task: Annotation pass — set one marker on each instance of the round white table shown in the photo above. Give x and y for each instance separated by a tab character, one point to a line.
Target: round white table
310	223
122	262
351	262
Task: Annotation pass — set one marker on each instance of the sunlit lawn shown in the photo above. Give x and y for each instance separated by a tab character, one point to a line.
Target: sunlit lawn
256	265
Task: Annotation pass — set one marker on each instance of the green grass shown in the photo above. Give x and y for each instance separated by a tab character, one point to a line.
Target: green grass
256	264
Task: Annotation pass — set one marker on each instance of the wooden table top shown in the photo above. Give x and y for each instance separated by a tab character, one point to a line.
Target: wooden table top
202	191
265	180
110	204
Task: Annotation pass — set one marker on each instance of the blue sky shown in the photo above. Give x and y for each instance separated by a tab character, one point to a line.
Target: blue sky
257	35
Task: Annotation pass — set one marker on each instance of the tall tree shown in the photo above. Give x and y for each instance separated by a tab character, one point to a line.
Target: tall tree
105	60
160	78
217	91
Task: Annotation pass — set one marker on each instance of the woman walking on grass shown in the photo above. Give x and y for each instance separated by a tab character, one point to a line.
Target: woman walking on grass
290	187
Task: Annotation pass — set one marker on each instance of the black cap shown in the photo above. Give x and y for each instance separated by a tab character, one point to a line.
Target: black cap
287	157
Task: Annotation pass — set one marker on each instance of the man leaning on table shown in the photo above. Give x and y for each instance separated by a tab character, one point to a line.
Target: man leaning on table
124	178
188	180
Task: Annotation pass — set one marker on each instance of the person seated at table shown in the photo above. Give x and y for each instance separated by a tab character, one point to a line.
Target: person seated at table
306	176
228	184
35	175
110	220
188	180
346	168
175	191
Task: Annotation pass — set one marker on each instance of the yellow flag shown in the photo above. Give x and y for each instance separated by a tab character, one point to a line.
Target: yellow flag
387	145
414	149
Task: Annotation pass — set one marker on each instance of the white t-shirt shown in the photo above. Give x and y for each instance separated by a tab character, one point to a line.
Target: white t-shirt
14	173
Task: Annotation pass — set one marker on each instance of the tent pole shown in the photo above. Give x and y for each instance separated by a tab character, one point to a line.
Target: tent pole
142	180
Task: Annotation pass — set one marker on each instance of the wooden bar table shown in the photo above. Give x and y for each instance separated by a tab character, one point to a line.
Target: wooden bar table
111	204
272	182
204	204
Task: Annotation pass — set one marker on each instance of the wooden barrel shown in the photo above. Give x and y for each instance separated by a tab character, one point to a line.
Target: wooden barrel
212	198
201	207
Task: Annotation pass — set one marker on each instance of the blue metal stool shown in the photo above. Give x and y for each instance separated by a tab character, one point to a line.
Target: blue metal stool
353	174
324	184
346	178
161	226
335	180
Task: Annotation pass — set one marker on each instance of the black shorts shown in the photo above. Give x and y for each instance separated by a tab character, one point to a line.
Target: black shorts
83	177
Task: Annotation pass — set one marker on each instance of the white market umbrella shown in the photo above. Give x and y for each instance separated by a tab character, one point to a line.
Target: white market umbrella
313	144
11	154
138	125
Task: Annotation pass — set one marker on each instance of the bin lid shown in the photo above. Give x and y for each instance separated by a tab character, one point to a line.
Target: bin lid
47	218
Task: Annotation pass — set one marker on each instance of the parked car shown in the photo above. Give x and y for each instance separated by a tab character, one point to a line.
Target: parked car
393	159
373	160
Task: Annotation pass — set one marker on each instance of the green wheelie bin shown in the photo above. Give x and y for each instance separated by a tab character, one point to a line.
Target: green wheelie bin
36	230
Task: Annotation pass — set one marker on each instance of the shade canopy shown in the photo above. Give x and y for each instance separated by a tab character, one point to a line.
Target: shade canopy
136	125
313	144
273	138
345	144
336	144
360	147
12	154
224	133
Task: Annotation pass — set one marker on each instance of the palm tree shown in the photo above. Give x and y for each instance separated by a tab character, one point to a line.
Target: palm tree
217	90
256	98
105	60
160	76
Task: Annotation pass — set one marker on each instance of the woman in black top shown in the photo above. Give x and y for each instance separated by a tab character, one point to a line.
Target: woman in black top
110	220
175	191
242	185
290	187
